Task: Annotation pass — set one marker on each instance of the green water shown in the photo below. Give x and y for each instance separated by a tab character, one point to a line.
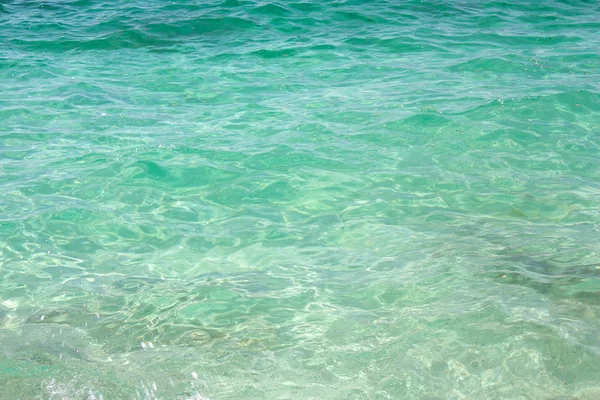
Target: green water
299	199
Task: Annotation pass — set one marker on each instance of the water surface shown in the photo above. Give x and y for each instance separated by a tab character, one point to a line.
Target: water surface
300	199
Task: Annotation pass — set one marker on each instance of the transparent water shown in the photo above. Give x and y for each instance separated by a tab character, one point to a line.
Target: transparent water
299	200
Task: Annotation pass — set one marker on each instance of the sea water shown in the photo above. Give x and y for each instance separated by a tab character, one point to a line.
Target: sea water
245	199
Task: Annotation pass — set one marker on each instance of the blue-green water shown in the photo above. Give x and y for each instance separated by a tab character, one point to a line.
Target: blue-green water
300	199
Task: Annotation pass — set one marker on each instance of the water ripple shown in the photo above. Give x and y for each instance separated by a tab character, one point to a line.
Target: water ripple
247	199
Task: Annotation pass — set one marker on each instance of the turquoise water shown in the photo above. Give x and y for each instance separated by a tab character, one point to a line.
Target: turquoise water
299	200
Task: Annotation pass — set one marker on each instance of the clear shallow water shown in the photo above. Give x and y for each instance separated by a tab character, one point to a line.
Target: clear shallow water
299	200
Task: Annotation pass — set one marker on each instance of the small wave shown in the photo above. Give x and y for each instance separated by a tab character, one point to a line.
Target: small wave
200	26
131	39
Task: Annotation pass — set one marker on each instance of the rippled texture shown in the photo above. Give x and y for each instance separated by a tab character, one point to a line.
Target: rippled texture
299	200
